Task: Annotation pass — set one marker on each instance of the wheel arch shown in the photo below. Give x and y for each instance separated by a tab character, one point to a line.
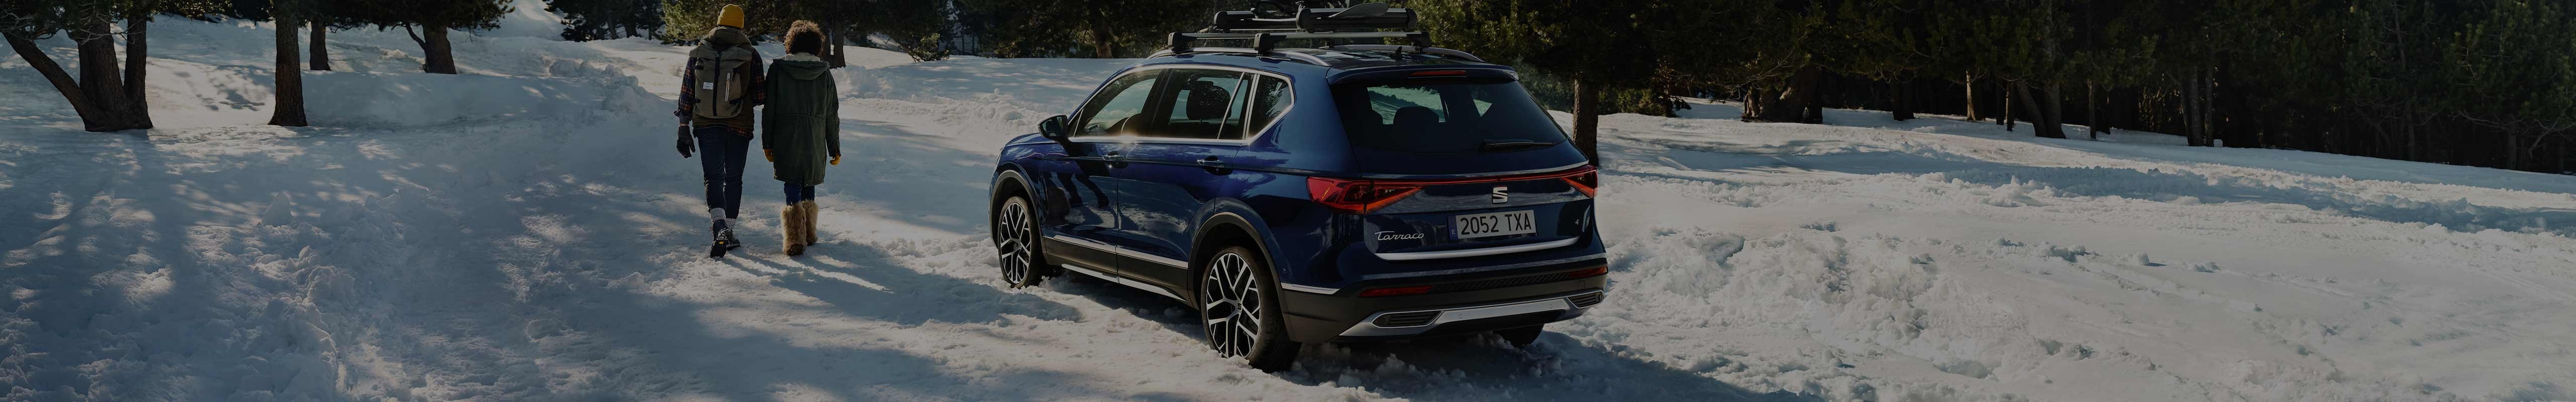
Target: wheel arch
1008	180
1223	228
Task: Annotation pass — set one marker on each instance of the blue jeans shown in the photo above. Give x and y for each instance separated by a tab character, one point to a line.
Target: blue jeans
797	192
720	156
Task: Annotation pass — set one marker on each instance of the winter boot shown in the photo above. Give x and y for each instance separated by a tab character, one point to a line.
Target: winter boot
810	212
723	230
794	232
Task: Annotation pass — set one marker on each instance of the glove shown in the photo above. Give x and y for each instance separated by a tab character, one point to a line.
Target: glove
836	160
685	144
771	155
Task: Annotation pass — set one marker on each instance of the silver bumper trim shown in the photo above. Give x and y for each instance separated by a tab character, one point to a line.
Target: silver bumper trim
1309	289
1430	255
1565	304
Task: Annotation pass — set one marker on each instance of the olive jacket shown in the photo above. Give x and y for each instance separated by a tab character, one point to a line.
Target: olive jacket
801	121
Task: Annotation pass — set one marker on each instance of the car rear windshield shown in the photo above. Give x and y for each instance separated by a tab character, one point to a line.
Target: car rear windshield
1444	118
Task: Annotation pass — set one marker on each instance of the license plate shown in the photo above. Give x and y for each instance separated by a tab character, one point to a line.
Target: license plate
1495	224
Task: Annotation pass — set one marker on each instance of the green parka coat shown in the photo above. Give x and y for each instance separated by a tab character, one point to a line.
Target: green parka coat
801	123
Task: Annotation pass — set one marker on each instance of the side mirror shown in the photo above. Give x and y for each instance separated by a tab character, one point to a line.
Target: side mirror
1053	127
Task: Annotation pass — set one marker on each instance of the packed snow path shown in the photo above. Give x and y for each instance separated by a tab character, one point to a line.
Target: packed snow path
525	231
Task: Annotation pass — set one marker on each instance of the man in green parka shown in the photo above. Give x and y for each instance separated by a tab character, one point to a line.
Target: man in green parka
801	128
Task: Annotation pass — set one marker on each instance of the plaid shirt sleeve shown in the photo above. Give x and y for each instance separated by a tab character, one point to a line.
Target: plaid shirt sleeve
759	82
688	93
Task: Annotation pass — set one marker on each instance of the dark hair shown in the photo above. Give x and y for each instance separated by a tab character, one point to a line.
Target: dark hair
804	37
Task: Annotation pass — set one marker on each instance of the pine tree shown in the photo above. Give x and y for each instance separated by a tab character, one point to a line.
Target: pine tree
607	19
1596	45
428	22
108	97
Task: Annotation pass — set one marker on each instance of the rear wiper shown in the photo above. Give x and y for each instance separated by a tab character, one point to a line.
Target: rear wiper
1512	145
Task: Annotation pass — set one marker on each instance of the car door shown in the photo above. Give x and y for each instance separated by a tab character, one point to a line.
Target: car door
1176	167
1082	202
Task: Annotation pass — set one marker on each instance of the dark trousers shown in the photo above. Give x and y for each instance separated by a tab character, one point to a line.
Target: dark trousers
799	192
720	156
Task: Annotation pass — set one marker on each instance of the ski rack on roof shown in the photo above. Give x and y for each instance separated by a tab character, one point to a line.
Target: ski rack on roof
1363	21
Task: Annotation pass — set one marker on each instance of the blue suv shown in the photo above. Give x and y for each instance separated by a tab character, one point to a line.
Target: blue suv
1338	194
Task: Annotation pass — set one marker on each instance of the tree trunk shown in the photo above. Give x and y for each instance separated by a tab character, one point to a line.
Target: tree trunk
1753	104
1971	84
1103	41
1793	103
1904	107
137	43
321	59
61	79
832	37
1815	113
98	71
103	85
2049	121
2208	109
441	56
2414	145
289	108
2093	126
2191	112
1587	120
2006	119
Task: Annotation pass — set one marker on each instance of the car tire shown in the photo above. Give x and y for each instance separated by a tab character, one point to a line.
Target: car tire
1238	310
1015	240
1523	336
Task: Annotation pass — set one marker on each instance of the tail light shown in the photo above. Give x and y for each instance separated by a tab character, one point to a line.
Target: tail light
1362	196
1357	196
1585	179
1587	273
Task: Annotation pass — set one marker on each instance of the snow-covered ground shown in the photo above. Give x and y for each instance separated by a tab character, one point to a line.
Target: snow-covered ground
525	232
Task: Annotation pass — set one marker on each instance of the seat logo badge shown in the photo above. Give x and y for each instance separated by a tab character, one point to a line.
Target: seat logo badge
1502	194
1390	235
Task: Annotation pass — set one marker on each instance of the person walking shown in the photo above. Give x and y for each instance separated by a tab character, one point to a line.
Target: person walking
722	82
801	129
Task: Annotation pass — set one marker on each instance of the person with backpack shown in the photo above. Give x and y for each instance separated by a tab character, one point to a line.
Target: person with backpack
723	81
801	128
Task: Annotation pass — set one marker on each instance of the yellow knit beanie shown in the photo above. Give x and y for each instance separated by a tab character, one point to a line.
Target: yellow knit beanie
731	16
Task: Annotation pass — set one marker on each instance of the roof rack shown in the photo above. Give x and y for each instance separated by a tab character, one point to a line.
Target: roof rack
1454	53
1361	21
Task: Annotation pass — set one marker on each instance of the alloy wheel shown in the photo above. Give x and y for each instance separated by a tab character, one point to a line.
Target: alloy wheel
1015	237
1231	301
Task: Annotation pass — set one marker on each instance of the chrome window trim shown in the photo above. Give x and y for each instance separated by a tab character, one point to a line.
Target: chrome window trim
1248	138
1130	253
1124	281
1368	326
1474	252
1476	175
1078	119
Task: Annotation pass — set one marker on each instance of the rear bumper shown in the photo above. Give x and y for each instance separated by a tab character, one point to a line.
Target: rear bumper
1531	299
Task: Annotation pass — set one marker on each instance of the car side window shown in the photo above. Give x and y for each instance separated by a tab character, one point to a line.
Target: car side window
1269	98
1203	104
1116	109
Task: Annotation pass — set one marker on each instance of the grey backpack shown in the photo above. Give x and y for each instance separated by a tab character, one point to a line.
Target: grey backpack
722	81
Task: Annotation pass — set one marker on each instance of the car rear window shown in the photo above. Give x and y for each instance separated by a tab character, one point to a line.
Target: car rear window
1443	118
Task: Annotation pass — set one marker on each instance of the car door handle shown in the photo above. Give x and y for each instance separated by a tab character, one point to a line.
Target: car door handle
1213	165
1115	160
